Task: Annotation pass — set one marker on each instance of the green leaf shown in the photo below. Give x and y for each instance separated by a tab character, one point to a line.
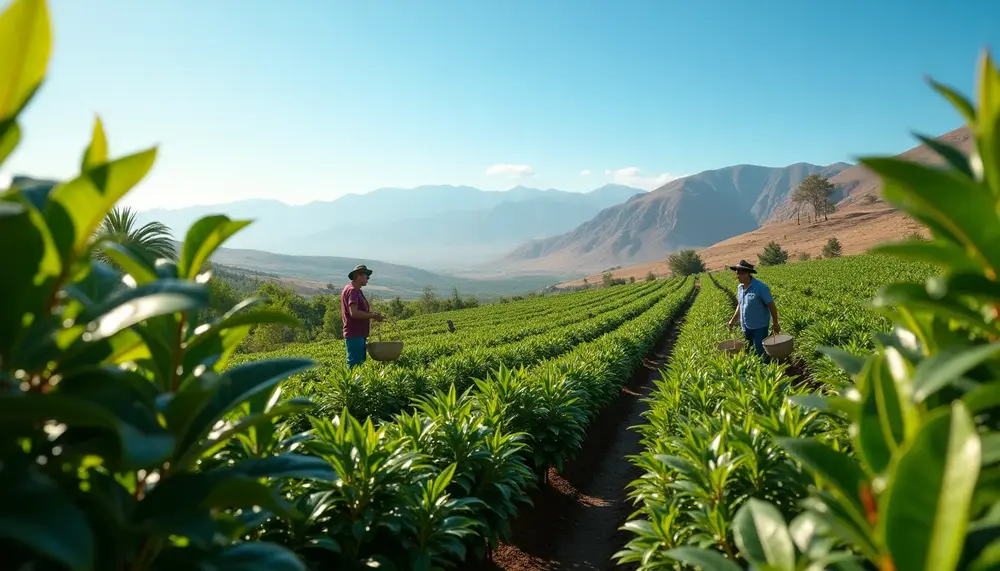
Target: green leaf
132	305
20	266
925	510
947	255
10	136
915	296
97	152
39	514
218	440
959	101
988	123
139	446
203	238
288	465
851	364
983	397
762	536
84	202
837	469
950	154
240	384
702	559
130	260
947	366
25	45
959	206
255	556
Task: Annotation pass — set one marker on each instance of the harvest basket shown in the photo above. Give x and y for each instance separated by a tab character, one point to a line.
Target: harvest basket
732	346
385	350
779	346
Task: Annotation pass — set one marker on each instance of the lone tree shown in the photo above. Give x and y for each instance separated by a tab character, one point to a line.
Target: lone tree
773	255
832	248
685	263
815	191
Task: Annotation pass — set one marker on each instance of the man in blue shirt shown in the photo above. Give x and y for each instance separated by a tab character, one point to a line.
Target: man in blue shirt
754	306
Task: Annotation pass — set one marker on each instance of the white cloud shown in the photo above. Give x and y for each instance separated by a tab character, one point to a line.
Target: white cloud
586	172
631	176
511	171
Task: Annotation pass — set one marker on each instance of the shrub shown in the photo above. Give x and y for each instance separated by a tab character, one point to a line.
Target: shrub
685	263
832	248
773	255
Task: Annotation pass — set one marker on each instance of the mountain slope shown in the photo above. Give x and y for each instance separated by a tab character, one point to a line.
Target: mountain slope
855	185
690	212
415	226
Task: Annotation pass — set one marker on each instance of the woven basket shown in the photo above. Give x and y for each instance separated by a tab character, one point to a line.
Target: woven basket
385	350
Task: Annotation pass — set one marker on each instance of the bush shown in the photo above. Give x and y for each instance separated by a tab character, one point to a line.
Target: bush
650	277
773	255
685	263
804	256
832	248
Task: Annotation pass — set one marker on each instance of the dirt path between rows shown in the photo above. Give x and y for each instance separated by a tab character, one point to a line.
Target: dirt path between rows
574	523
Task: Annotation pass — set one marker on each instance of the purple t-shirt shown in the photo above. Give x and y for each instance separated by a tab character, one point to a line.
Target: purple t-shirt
353	327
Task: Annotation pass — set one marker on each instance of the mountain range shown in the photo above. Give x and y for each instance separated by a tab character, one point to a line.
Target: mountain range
438	227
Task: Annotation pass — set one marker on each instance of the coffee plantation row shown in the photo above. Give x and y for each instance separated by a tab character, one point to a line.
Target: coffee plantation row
133	437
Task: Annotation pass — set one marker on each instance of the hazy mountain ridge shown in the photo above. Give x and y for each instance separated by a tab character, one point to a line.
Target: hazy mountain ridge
444	226
691	212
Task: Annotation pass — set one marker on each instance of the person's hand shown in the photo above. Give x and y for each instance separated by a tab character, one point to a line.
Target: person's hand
730	324
776	329
379	317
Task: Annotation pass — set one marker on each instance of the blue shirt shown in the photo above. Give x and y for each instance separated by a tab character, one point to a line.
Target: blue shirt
753	302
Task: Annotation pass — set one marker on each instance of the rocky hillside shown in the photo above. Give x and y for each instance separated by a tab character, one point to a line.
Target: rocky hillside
858	186
691	212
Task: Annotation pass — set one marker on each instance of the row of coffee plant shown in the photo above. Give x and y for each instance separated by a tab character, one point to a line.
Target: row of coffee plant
382	389
914	482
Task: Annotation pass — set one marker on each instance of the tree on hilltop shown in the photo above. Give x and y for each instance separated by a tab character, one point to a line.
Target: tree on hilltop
815	190
685	263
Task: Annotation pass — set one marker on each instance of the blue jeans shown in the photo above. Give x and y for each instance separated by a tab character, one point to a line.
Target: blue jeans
756	338
355	351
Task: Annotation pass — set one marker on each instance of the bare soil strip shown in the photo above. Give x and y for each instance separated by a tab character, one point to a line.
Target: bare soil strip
575	518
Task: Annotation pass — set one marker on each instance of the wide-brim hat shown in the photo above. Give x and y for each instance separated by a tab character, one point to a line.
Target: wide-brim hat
743	266
359	268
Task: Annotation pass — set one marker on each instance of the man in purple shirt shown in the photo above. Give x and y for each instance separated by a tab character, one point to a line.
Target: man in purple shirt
357	316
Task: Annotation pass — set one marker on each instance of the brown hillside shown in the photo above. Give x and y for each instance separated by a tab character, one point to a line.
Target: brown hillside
856	183
694	211
857	228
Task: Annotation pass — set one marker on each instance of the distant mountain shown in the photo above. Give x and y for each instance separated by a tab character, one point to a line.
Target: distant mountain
443	226
310	274
858	186
691	212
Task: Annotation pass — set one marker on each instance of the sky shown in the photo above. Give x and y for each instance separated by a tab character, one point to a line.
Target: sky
303	100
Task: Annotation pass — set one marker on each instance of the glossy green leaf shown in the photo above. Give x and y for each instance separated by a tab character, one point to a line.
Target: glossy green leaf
926	507
218	440
964	209
702	559
39	514
288	465
850	363
97	152
10	136
20	267
983	397
240	384
129	260
952	156
84	202
132	305
988	122
138	446
974	285
948	366
25	45
255	556
203	238
762	536
959	101
836	468
916	296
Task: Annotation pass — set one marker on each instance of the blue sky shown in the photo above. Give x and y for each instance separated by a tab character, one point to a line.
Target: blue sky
305	100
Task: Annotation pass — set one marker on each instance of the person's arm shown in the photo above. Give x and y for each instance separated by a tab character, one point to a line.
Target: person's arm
768	300
736	314
356	312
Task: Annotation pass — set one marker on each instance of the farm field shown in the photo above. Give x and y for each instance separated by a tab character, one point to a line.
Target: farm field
531	402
